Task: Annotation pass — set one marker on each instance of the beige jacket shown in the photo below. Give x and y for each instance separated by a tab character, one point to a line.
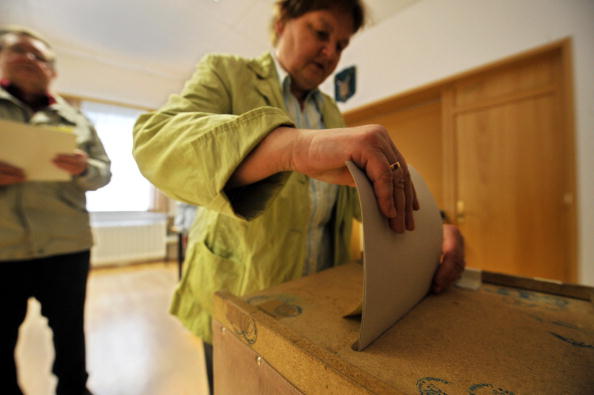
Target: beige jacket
39	219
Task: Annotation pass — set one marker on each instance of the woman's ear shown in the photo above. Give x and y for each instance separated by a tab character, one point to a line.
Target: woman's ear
279	27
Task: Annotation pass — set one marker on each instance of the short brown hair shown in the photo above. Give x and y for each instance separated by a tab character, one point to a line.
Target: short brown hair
23	31
285	10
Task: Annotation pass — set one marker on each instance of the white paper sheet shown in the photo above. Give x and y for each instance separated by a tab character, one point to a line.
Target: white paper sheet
398	268
32	148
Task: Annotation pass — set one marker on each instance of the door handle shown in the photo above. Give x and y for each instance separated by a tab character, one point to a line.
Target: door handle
460	212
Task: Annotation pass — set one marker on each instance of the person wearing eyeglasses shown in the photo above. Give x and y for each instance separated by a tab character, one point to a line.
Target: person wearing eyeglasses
45	236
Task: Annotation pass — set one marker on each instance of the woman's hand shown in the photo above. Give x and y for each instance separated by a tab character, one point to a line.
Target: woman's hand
452	259
322	154
74	163
10	174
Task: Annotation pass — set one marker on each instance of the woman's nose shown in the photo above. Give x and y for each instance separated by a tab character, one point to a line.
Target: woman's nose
330	51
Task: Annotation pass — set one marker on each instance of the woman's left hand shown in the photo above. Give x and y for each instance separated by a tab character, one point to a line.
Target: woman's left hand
452	259
74	163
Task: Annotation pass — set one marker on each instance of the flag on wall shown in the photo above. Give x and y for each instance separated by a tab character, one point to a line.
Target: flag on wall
345	84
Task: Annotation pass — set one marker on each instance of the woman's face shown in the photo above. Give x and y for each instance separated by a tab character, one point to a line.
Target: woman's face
309	47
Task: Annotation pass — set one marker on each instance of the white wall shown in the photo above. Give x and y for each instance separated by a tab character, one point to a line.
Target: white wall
434	39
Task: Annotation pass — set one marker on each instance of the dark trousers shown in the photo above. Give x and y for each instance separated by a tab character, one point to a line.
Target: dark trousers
208	362
59	283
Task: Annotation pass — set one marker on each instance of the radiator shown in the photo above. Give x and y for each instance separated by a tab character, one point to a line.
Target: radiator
128	237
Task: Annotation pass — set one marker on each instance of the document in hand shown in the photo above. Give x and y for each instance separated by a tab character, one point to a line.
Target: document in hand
32	148
398	268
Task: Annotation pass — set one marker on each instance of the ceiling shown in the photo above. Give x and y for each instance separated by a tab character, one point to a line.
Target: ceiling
163	37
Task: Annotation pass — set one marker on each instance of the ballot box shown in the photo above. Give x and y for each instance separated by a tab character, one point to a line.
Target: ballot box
499	335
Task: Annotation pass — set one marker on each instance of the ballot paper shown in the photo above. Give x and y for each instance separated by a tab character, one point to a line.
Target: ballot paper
398	267
32	148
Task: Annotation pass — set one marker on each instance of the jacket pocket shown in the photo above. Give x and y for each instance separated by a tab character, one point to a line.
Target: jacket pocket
214	272
73	197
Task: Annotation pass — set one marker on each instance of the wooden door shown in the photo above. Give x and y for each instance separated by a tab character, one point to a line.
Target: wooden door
505	171
415	128
512	199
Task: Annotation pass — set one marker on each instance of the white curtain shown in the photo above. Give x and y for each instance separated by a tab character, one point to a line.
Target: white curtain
128	189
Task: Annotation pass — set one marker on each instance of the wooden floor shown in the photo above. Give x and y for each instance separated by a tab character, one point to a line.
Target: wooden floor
133	345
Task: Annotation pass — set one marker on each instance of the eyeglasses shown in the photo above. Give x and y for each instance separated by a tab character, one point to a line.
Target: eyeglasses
21	50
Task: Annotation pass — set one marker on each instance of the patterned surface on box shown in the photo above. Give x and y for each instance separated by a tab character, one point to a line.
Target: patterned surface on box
495	340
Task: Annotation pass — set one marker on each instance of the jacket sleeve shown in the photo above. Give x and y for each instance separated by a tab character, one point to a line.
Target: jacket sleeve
98	172
191	146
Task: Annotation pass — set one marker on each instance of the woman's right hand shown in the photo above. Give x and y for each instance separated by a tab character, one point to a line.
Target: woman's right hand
10	174
322	154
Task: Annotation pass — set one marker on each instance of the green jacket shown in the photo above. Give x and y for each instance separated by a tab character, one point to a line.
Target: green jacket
249	238
39	219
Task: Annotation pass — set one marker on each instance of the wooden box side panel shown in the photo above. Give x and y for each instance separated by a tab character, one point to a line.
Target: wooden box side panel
240	370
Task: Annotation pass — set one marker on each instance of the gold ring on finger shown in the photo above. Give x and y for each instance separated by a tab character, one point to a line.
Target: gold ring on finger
395	166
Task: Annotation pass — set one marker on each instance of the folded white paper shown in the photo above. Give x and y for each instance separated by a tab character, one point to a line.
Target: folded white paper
398	268
32	148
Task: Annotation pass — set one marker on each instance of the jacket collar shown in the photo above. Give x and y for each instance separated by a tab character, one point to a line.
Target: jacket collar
268	86
41	102
65	110
263	66
267	82
58	105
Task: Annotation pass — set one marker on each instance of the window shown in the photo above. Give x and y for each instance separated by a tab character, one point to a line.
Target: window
128	189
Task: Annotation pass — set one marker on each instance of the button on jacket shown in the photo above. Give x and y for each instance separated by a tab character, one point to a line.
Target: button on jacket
249	238
39	219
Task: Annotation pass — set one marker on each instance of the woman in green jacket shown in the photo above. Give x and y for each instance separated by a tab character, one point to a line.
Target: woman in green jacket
263	150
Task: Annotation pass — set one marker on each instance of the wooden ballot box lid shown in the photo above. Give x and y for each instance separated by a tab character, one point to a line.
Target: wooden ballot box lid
510	335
